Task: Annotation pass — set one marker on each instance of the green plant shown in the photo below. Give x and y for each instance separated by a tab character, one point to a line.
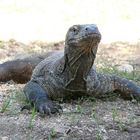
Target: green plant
5	105
114	70
116	119
52	134
96	120
98	135
78	108
33	114
20	97
8	103
120	125
114	114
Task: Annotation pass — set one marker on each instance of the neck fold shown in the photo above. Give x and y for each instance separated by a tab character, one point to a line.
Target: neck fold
77	66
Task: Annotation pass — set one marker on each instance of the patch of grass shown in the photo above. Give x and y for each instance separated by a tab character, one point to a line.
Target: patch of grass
79	109
98	135
5	104
20	97
10	104
121	126
114	70
135	75
33	115
52	134
116	120
95	117
114	114
78	106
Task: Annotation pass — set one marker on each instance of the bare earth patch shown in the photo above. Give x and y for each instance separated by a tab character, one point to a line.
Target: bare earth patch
84	119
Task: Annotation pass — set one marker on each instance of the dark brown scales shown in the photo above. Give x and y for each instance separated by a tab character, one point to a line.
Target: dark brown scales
20	70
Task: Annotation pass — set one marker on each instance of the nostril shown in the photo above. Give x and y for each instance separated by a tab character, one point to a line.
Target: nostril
91	29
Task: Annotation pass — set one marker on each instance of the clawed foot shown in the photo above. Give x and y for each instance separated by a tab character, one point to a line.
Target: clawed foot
47	107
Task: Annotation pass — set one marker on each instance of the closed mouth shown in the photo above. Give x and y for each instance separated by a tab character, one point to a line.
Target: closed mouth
91	35
96	36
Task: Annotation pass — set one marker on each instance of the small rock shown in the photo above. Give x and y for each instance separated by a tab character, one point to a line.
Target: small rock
125	68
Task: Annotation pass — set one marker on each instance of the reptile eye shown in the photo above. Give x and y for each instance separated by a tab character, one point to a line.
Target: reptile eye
74	30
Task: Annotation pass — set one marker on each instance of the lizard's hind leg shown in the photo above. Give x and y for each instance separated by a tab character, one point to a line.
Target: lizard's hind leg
108	83
127	88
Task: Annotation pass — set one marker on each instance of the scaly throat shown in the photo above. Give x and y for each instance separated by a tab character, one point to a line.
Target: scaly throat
77	66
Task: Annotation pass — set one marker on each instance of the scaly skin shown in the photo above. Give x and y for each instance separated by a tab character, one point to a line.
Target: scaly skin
20	70
72	74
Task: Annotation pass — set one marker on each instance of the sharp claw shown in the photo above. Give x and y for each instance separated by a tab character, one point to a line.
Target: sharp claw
28	107
41	110
60	110
49	108
54	110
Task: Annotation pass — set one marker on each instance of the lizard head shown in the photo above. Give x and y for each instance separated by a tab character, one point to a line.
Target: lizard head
81	45
85	36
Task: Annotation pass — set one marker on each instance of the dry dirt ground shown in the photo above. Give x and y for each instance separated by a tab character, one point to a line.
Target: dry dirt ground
86	118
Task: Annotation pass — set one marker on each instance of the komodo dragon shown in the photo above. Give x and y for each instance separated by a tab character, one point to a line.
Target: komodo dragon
71	74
